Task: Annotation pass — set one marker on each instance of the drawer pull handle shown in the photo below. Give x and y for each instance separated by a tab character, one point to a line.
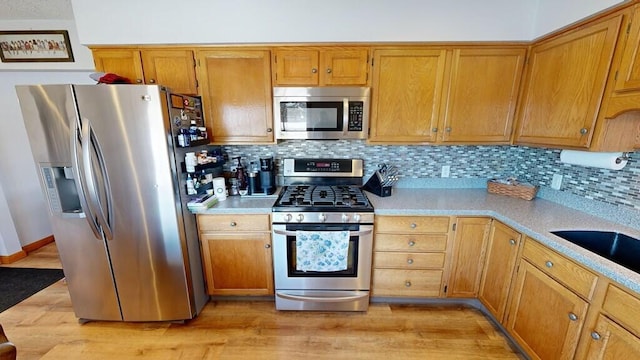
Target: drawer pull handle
233	224
413	225
595	335
409	261
411	243
267	246
573	317
512	241
548	264
407	283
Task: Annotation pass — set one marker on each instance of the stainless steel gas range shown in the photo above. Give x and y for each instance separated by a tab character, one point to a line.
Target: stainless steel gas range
322	237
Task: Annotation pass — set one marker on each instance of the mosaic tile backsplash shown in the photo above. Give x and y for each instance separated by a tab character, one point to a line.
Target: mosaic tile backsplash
533	165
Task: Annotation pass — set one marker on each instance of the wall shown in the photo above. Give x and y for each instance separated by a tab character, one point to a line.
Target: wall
554	14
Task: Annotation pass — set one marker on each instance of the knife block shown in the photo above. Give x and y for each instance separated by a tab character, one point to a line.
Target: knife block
374	186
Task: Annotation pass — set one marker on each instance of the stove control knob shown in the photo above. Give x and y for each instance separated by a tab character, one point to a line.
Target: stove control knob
288	218
356	218
300	217
345	218
322	217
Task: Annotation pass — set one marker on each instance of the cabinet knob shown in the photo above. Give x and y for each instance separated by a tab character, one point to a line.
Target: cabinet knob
595	335
447	129
411	243
139	81
435	130
573	317
413	225
269	130
407	283
584	131
314	70
152	81
512	241
409	261
328	71
233	224
548	264
267	246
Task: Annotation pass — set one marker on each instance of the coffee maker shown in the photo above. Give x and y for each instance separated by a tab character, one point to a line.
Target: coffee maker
267	175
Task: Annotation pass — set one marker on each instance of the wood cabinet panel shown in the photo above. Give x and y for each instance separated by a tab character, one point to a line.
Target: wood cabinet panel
406	283
628	75
562	269
234	222
499	268
481	99
297	67
407	95
412	224
469	245
236	94
623	307
611	341
344	67
565	83
406	260
416	242
541	315
123	62
327	66
172	68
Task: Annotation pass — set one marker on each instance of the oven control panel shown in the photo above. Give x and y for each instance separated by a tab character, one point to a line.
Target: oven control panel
322	217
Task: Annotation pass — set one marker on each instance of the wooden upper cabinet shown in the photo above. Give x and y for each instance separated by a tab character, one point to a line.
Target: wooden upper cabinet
321	67
482	95
407	95
123	62
173	68
628	76
236	94
565	83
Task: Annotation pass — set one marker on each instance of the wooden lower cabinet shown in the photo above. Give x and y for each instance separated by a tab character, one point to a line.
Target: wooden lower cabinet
469	245
545	317
611	341
237	259
499	267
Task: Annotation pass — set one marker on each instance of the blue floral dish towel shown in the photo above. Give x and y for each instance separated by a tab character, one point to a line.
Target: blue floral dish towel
322	250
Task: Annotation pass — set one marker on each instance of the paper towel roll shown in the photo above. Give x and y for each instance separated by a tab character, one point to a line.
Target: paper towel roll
603	160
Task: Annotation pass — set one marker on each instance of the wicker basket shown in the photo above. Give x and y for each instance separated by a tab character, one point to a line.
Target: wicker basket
522	191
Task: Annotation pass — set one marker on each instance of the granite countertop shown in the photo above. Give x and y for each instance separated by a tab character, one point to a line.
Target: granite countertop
536	218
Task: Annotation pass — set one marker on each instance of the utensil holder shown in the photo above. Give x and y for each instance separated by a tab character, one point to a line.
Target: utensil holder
374	186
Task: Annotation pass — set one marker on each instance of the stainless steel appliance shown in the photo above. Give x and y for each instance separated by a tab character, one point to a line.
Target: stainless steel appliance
109	167
321	112
322	196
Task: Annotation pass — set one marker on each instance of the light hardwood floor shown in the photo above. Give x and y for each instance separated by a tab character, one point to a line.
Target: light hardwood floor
44	327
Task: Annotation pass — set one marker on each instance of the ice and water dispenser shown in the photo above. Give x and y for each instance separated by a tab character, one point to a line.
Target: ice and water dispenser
61	191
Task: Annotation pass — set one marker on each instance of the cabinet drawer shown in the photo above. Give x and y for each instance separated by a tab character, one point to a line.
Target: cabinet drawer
418	242
406	260
624	307
234	222
412	224
572	275
408	283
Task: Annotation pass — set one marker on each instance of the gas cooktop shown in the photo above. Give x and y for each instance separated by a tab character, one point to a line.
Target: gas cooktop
306	198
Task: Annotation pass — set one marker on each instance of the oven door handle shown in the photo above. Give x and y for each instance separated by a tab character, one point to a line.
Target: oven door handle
352	233
321	298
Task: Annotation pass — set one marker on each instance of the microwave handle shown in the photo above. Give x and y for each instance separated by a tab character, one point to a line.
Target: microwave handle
345	116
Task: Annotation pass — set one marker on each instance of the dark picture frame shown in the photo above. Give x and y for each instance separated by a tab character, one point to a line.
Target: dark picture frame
35	46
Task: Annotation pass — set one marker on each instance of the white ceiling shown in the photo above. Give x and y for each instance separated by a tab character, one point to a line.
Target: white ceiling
36	10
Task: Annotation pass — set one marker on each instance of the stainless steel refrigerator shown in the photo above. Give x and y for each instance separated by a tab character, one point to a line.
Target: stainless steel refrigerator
110	170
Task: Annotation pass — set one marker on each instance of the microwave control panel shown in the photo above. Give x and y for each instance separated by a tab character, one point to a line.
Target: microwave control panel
356	110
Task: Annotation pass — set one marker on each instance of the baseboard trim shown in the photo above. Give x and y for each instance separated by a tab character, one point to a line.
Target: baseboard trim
8	259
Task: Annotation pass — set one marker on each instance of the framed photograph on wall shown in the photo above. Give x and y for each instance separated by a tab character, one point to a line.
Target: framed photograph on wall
35	46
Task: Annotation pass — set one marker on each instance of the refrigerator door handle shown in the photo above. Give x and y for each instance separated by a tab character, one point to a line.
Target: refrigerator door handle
79	182
89	139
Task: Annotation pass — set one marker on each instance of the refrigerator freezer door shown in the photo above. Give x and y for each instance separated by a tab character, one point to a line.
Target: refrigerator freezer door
49	114
129	127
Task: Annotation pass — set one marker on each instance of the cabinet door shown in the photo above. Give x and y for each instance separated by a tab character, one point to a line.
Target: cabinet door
238	264
611	341
407	95
297	67
502	252
545	318
344	67
172	68
628	76
469	246
123	62
566	80
482	95
236	92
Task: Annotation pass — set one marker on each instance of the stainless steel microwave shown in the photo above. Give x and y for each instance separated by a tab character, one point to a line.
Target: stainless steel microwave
321	113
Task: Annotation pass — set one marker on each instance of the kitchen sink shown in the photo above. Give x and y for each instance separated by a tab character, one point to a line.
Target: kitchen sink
620	248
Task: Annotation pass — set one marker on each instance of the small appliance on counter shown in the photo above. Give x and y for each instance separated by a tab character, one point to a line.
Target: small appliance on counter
382	180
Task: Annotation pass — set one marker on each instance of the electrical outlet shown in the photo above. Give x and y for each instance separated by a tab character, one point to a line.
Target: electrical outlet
446	170
556	182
